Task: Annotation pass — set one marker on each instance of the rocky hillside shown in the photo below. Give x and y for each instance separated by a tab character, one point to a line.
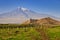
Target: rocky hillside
44	21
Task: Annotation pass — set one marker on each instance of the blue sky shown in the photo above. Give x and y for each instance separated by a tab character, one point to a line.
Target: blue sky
51	7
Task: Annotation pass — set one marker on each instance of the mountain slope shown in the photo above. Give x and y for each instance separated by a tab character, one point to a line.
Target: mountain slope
43	21
20	15
49	20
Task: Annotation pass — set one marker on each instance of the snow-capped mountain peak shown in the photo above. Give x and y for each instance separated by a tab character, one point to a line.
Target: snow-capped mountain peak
20	15
24	9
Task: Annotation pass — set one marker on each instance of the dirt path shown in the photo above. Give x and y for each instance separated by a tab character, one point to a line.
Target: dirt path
43	33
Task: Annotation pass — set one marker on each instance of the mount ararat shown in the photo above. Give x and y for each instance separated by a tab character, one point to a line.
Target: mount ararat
21	15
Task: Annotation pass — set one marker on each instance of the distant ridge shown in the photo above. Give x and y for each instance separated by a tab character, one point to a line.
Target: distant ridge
47	21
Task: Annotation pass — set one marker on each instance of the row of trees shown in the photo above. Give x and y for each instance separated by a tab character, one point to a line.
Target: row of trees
15	25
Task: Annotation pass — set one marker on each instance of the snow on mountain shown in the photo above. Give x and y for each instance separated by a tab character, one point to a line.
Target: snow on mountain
24	9
20	15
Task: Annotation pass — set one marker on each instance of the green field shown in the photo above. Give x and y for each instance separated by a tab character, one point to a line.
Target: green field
28	33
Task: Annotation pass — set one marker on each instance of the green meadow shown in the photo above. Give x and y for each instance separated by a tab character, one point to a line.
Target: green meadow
28	32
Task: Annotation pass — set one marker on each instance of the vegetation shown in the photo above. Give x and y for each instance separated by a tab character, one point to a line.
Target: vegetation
28	32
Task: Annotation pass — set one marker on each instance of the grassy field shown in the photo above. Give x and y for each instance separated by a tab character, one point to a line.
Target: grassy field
29	33
54	33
